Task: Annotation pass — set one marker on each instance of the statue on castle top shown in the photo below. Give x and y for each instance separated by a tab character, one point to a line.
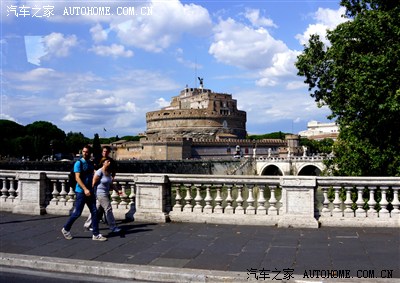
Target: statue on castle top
201	82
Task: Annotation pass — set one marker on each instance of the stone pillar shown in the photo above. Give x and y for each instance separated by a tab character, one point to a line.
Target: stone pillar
298	202
31	193
152	198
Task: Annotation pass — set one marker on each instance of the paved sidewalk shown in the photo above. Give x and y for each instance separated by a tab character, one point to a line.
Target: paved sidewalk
182	252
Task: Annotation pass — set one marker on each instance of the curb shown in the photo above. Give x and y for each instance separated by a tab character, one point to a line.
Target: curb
149	273
119	270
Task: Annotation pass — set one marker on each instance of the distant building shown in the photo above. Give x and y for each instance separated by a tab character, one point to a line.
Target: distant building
319	131
200	124
198	113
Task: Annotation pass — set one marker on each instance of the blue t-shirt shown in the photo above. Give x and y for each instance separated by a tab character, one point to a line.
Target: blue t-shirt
86	175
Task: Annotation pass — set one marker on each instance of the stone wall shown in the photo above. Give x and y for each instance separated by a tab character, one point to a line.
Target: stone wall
139	166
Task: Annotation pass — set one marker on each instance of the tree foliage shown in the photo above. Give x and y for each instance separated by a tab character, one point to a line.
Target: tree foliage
46	139
317	147
42	138
357	77
96	147
10	131
275	135
76	141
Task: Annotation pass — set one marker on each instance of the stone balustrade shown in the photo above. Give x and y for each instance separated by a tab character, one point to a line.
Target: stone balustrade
359	201
283	201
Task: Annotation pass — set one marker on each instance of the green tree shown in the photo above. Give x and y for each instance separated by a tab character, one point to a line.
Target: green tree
75	142
357	77
47	139
11	131
275	135
96	147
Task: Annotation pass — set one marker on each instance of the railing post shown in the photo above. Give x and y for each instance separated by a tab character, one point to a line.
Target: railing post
360	211
32	189
384	213
151	198
348	211
396	203
298	202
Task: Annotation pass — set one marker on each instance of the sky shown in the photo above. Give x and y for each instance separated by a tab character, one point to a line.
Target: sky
98	66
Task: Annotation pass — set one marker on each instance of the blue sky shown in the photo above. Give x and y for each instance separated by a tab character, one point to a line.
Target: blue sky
87	73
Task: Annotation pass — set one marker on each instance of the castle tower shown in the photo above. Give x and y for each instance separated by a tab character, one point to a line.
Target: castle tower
198	113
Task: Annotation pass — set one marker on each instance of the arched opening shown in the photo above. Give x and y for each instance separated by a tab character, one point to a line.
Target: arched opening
271	170
309	170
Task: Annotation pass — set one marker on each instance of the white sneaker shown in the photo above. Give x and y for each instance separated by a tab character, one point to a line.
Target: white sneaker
67	234
99	237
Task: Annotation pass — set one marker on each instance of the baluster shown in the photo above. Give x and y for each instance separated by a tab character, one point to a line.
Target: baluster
218	200
71	193
360	212
250	201
123	195
261	209
63	193
272	210
178	198
4	191
348	212
229	200
396	203
132	195
371	203
239	201
12	191
336	203
55	193
114	196
325	209
384	213
18	189
208	200
198	199
188	199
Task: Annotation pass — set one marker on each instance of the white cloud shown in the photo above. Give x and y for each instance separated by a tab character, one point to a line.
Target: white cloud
282	66
123	104
242	46
179	55
4	116
58	45
170	20
325	19
115	50
161	102
266	108
293	85
253	15
98	33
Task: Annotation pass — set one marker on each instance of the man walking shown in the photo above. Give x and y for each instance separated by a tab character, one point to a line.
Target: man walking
84	192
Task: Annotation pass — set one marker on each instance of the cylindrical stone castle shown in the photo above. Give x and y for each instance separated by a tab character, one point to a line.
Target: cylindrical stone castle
199	114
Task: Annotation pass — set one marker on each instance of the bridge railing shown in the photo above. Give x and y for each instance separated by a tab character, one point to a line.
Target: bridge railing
226	199
358	201
284	201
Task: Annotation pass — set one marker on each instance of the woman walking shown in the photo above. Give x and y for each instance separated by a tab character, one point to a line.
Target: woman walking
103	180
